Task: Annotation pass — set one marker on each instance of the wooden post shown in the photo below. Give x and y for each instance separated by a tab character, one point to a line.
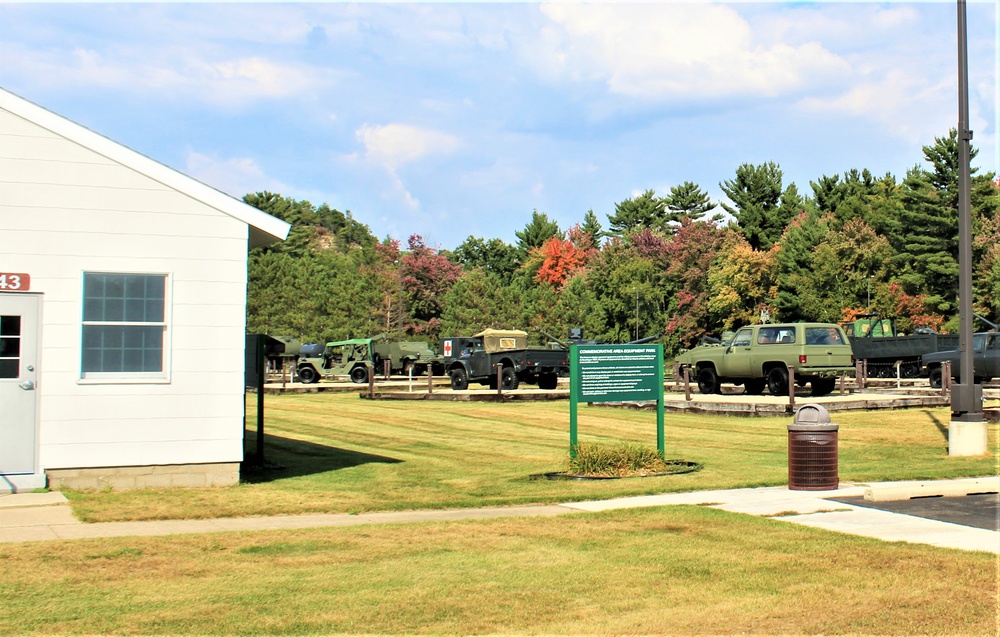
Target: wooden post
687	383
430	379
386	369
371	379
791	387
945	377
859	374
677	374
843	379
499	380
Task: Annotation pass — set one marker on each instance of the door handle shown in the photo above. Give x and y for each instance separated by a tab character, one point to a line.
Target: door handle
26	385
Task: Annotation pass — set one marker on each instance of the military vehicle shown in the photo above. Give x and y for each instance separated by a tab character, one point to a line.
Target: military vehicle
406	357
759	356
985	360
478	358
350	358
876	341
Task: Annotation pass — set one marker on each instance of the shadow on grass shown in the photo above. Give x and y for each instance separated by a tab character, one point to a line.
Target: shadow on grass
289	458
943	428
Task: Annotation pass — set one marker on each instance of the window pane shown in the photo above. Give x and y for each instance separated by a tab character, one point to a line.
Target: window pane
10	346
129	348
8	368
10	325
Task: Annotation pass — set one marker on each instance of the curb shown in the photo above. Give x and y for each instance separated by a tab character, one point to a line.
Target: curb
932	490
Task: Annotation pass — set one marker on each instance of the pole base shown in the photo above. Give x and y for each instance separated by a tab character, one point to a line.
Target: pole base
967	438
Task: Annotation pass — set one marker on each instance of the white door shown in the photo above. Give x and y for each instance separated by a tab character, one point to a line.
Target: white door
18	379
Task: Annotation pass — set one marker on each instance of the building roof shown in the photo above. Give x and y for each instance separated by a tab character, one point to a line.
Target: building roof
264	229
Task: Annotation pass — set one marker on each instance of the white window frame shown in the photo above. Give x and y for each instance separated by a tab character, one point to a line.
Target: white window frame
160	377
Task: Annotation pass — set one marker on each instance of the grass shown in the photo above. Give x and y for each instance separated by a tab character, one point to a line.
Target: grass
661	570
668	570
343	454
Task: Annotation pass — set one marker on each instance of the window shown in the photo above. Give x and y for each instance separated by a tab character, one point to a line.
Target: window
124	322
742	338
10	346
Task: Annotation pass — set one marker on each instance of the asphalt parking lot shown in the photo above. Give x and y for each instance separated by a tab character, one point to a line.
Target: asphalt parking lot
981	511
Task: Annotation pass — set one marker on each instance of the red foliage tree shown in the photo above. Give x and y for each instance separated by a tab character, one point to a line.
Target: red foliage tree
560	258
425	276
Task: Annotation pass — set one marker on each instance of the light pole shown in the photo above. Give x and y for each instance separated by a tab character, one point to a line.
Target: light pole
967	431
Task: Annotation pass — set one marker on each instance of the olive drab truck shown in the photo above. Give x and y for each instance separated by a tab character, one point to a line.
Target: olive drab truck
406	357
483	357
760	356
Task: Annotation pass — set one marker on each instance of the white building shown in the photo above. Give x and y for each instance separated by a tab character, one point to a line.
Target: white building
122	313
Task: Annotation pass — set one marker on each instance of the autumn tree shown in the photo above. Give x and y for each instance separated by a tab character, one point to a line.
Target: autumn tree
742	282
426	277
690	254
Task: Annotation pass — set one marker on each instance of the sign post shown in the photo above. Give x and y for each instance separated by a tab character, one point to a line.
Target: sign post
615	373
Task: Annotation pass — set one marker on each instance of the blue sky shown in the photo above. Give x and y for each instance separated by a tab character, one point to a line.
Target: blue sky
449	120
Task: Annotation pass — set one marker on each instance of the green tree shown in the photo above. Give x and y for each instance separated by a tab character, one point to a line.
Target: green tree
592	227
479	300
688	201
534	235
798	297
493	256
638	213
761	212
927	246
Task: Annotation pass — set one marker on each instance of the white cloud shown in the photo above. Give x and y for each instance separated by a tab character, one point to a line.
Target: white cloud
235	176
675	51
393	145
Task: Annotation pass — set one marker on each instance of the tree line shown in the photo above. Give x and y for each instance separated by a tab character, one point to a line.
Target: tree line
673	264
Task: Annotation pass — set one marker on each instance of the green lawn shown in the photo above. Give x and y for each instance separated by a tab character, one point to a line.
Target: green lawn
655	571
344	454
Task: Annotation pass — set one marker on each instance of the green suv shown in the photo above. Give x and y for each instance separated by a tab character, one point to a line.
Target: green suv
759	356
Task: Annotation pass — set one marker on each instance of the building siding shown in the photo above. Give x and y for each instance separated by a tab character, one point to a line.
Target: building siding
66	209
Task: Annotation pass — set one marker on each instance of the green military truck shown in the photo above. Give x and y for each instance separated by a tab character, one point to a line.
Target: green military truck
406	357
759	356
478	358
350	358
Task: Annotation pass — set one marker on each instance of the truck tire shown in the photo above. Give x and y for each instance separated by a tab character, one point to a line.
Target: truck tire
308	375
508	379
823	386
548	380
459	379
936	377
708	381
754	386
777	381
359	375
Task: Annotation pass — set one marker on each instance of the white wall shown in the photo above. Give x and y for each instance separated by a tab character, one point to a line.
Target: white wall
65	209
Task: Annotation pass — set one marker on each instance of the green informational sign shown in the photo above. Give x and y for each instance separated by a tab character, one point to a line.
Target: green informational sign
615	373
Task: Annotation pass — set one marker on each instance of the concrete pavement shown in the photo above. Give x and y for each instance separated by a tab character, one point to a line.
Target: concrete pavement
32	517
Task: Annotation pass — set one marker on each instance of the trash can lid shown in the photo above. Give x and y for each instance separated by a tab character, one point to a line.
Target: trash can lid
812	417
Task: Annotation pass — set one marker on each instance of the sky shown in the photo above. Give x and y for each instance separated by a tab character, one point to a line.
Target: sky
450	120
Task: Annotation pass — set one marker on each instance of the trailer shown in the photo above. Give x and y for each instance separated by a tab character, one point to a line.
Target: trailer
876	342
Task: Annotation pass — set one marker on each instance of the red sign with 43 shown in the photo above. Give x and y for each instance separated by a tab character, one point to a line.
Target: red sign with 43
14	282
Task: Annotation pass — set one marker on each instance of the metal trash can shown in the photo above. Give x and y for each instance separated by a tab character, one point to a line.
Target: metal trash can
812	450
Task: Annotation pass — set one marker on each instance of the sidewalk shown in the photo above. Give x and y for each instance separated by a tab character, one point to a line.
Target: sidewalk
31	517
